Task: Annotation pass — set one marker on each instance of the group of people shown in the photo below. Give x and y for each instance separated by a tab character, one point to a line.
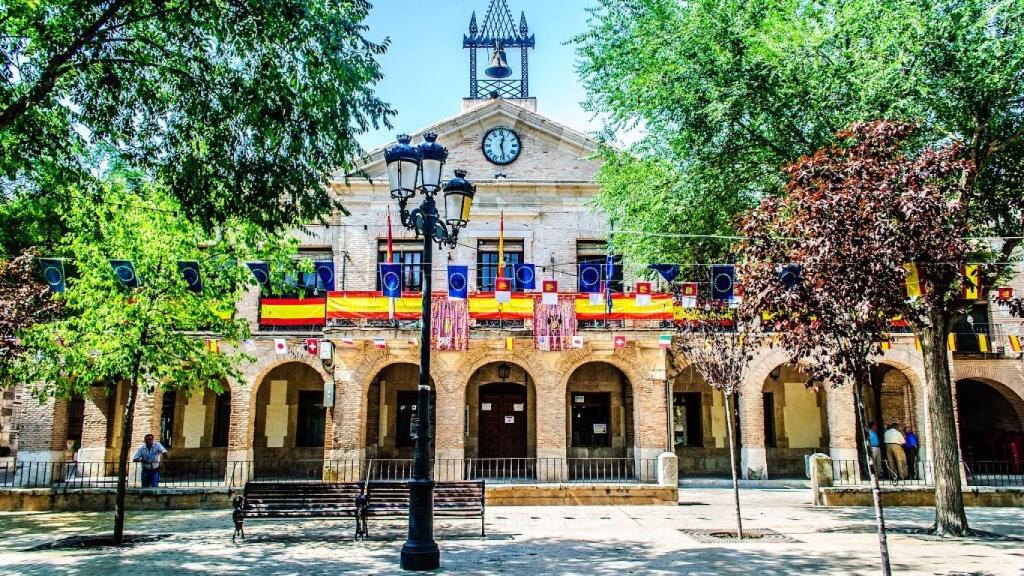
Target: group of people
900	450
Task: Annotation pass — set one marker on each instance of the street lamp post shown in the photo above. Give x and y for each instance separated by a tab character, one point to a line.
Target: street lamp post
412	170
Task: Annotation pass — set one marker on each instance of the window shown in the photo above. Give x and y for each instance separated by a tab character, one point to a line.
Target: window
409	255
591	415
221	420
769	420
76	417
309	431
307	283
688	430
167	418
487	262
406	426
967	327
596	251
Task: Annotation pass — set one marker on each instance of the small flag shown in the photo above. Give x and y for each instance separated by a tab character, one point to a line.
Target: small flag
789	275
212	345
510	343
249	346
348	341
668	271
543	343
619	341
951	342
737	295
1005	293
312	346
689	294
324	275
379	343
526	278
913	281
1015	343
260	271
643	293
577	341
280	346
391	280
503	289
723	278
590	277
53	273
917	343
125	272
190	272
983	343
412	341
886	344
609	271
970	288
458	285
665	341
549	293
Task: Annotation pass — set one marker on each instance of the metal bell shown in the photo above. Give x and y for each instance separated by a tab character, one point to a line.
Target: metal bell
499	66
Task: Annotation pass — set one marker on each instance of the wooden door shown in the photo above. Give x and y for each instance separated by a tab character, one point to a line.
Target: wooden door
502	421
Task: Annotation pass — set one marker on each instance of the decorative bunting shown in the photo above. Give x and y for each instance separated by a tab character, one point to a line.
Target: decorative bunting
53	273
391	280
886	344
280	346
689	294
1015	343
789	275
913	281
313	346
260	271
668	271
324	275
723	280
380	343
983	343
449	324
577	341
503	290
643	293
249	346
917	343
348	341
619	341
556	323
1005	293
665	341
526	277
125	272
970	285
951	342
458	283
589	277
549	294
189	270
510	343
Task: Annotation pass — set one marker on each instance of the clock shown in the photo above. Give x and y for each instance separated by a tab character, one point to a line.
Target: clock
501	146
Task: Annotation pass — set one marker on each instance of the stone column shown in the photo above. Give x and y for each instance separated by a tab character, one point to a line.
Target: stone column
649	424
842	423
349	417
551	431
238	467
96	425
42	442
753	454
145	420
449	444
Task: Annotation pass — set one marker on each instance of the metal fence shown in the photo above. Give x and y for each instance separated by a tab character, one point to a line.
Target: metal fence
922	473
173	474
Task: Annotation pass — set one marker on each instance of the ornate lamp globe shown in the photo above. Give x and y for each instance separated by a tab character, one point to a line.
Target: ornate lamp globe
432	158
458	200
403	161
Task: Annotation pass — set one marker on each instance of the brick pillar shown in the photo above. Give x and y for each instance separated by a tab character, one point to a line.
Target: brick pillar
95	425
238	466
450	442
650	425
42	441
753	454
842	423
349	417
551	423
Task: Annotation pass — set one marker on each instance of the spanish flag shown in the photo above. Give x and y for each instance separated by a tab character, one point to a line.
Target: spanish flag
1015	344
951	342
983	343
913	281
970	287
292	311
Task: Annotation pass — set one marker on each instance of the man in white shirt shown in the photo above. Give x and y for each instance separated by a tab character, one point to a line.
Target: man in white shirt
894	452
150	455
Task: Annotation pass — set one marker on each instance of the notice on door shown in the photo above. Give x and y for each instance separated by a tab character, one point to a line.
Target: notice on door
600	428
518	406
578	399
510	419
485	406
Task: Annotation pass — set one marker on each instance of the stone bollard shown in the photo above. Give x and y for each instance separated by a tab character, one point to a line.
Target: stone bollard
821	476
668	469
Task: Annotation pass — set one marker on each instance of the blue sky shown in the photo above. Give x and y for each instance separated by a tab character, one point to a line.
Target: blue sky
426	70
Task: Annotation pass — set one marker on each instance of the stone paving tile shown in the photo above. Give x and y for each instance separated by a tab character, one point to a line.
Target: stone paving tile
529	541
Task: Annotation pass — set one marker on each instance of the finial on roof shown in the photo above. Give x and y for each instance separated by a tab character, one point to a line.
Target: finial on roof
472	24
523	30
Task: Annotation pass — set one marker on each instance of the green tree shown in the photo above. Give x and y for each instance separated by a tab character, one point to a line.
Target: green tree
241	109
729	91
148	336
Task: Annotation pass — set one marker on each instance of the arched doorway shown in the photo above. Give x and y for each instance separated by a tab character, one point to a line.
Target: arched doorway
991	421
391	406
289	422
599	406
795	421
699	434
501	429
502	421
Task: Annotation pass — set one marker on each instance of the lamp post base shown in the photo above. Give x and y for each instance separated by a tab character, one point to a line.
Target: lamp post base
421	556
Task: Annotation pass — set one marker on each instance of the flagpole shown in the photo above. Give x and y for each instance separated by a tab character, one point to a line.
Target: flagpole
391	260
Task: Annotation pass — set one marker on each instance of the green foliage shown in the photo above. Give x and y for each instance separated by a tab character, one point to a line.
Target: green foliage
243	109
154	333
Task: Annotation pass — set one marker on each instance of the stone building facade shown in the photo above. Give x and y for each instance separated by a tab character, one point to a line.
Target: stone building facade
515	403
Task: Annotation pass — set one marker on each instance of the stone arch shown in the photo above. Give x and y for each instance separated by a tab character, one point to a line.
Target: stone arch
376	361
990	422
629	363
597	391
390	398
503	394
254	393
472	361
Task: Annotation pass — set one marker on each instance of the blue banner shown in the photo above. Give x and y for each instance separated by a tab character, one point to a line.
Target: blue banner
668	271
590	277
789	275
324	274
526	277
723	280
260	271
189	270
53	273
391	280
458	282
125	272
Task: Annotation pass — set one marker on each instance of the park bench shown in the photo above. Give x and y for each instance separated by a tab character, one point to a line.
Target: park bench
296	500
452	499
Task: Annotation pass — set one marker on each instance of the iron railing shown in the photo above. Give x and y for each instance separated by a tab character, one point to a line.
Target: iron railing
922	473
67	475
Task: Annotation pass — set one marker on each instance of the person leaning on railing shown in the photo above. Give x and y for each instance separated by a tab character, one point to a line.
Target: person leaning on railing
150	454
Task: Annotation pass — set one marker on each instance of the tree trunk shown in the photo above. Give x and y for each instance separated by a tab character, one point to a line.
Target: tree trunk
122	460
950	519
876	492
733	464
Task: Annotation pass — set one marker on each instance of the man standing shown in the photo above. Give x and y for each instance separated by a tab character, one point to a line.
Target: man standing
150	455
911	450
894	442
876	449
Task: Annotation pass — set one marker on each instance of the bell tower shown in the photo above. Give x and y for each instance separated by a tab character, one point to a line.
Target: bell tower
496	36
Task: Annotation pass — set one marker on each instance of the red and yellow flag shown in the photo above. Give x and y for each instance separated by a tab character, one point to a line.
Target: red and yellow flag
970	287
983	343
951	342
913	281
1015	343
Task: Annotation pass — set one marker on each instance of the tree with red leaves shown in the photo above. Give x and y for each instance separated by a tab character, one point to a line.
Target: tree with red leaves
853	215
24	301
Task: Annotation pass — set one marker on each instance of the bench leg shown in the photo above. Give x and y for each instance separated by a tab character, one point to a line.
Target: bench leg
483	526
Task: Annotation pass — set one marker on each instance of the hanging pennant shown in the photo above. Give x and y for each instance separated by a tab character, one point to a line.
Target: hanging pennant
983	343
668	271
324	275
689	294
619	341
125	272
1015	343
280	346
53	273
189	270
1004	293
643	293
723	279
665	341
260	271
549	294
577	341
458	285
789	275
510	343
503	290
970	284
526	278
913	281
391	280
312	346
449	324
589	277
380	343
951	342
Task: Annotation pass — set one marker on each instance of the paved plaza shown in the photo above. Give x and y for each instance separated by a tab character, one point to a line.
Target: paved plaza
531	541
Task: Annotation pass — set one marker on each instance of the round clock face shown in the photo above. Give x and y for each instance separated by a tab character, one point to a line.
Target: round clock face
501	145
